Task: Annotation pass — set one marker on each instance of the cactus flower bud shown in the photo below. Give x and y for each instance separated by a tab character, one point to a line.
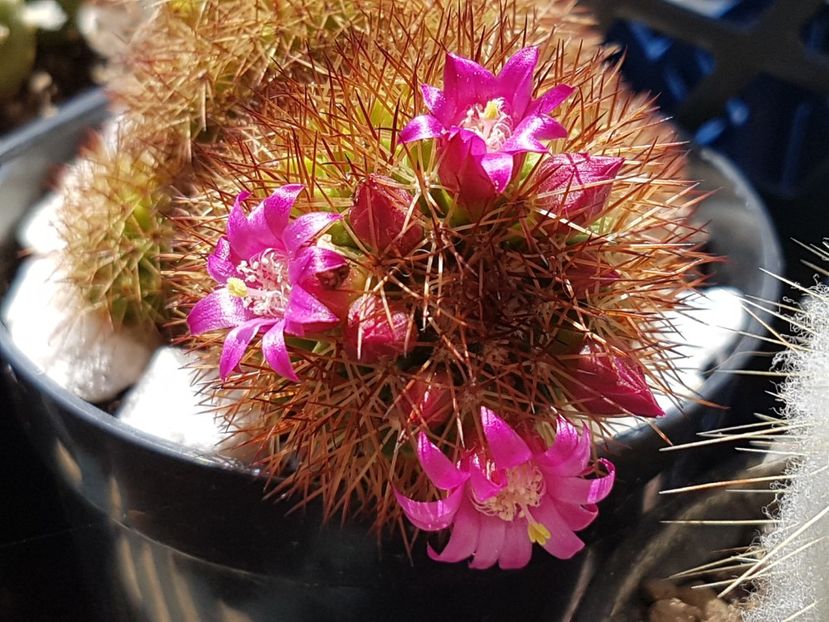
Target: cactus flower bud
427	400
576	186
607	384
379	217
370	336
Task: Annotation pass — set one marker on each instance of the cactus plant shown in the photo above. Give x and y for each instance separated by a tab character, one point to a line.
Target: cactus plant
782	574
17	47
428	249
186	67
513	250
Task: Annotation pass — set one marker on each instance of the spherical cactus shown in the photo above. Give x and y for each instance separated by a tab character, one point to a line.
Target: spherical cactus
498	215
185	70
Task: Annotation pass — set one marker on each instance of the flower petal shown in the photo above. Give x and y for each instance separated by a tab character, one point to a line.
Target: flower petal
466	83
438	105
517	549
305	313
311	261
236	343
464	538
563	543
481	486
570	452
530	132
551	100
420	128
490	542
507	449
438	468
301	230
498	167
219	309
221	265
515	80
277	208
581	490
576	516
431	515
276	353
460	167
248	235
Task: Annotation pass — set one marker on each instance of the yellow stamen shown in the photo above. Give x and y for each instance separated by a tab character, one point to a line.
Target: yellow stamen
493	109
237	287
539	534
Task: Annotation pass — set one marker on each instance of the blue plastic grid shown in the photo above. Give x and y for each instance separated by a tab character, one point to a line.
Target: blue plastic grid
749	77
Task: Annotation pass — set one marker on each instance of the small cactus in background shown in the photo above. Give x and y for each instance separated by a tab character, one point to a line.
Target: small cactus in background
17	47
483	233
783	575
791	576
186	68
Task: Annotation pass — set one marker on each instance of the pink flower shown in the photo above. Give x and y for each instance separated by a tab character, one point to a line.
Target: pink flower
379	215
484	121
606	384
503	499
576	186
373	333
268	273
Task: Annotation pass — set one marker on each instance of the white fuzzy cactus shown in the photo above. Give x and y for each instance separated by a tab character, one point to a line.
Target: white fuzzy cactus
791	579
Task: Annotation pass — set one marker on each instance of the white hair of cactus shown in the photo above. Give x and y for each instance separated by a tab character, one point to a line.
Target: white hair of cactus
791	579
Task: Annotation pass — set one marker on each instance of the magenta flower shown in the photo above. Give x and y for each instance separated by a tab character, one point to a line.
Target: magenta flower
606	384
576	186
484	121
268	273
503	499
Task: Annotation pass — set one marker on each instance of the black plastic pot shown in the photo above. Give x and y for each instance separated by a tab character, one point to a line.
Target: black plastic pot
664	543
181	536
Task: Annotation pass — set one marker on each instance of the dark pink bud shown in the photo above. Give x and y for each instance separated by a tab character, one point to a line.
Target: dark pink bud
427	401
378	216
578	185
370	336
606	384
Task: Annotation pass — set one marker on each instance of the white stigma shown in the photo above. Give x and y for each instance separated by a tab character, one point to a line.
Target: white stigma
525	489
266	285
490	122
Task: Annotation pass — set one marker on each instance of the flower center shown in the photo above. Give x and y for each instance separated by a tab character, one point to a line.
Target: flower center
524	490
490	122
263	284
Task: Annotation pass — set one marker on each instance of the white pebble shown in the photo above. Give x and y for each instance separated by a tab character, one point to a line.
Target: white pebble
170	401
37	232
77	348
701	336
